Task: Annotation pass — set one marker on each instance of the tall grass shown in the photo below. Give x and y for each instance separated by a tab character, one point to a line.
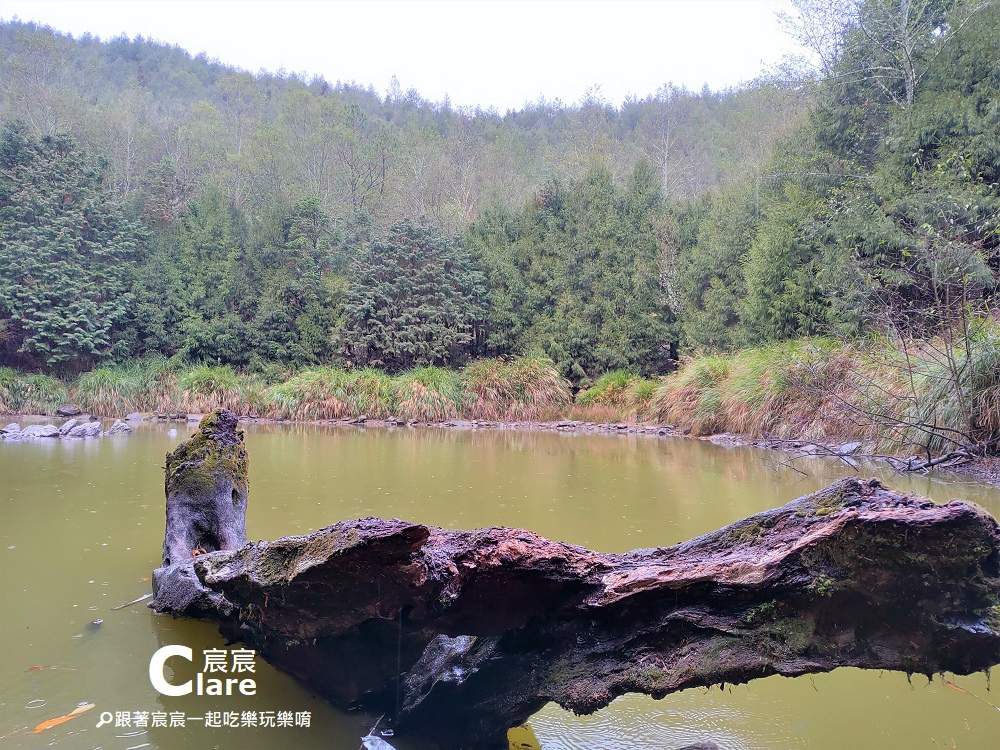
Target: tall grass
524	388
900	397
204	388
428	394
330	393
146	385
615	396
29	393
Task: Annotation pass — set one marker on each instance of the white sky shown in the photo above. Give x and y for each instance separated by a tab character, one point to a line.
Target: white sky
478	52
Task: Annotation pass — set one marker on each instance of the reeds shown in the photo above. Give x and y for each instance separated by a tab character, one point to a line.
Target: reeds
901	397
519	389
146	385
330	393
615	396
428	394
29	394
204	388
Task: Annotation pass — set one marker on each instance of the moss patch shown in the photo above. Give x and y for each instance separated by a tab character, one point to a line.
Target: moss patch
216	451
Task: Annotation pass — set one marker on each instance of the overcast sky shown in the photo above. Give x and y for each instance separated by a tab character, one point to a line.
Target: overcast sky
477	52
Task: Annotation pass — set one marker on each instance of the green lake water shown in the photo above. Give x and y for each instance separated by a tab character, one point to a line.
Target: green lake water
81	526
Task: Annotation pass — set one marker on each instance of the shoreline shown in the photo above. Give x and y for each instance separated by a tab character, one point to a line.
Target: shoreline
986	470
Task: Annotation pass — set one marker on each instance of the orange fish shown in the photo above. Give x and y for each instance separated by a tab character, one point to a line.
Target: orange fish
143	580
62	719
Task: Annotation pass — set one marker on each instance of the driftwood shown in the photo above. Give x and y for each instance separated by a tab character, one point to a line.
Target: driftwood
458	635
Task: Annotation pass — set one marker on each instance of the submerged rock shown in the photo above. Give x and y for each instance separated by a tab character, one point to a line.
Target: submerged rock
468	633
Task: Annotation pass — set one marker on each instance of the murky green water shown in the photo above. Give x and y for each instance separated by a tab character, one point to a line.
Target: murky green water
81	526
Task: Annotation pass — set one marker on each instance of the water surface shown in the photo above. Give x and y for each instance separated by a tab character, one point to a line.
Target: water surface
81	526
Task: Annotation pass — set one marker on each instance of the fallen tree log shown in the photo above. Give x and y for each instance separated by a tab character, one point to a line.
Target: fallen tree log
458	635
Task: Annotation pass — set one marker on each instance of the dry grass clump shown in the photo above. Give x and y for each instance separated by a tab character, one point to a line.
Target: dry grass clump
519	389
615	396
204	388
789	389
929	396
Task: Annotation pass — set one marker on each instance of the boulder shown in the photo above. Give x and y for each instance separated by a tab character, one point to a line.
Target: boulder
85	430
458	635
40	431
848	449
119	428
69	410
68	425
11	428
136	417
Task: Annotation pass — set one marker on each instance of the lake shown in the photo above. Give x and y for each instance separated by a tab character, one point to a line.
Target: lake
81	529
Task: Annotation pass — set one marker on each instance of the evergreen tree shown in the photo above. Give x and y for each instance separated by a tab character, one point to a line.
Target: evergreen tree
579	277
413	299
67	256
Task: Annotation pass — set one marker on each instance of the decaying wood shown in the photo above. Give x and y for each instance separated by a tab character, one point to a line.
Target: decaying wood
458	635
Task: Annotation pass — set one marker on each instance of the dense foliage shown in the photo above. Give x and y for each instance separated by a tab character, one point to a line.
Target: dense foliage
576	277
881	210
68	254
414	299
152	203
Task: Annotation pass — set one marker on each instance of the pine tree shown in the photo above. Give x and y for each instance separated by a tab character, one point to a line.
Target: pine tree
67	256
413	299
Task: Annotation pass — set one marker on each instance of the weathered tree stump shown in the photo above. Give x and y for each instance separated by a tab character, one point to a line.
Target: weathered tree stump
468	633
207	490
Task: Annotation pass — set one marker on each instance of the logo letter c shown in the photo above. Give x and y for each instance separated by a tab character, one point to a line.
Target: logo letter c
156	665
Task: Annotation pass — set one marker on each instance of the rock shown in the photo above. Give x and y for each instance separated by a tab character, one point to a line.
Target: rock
848	449
119	428
136	417
700	746
40	431
487	626
178	416
11	428
85	430
69	410
68	425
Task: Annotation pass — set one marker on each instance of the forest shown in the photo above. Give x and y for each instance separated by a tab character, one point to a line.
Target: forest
666	256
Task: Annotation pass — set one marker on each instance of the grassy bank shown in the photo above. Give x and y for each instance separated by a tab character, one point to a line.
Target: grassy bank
900	397
929	396
487	389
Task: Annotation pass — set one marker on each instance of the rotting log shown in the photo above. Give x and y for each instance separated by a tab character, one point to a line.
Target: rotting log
458	635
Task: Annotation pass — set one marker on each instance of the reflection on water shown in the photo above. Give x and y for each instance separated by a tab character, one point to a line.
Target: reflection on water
81	526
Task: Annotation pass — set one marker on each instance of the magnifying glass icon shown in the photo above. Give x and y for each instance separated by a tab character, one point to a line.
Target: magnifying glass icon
106	718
